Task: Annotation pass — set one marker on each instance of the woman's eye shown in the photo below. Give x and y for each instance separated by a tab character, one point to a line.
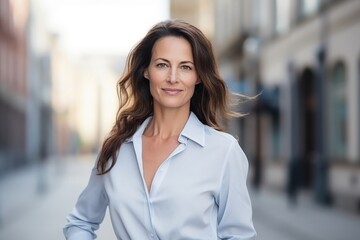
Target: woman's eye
185	67
161	65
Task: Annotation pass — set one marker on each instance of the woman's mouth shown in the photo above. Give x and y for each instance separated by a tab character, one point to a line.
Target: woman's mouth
171	91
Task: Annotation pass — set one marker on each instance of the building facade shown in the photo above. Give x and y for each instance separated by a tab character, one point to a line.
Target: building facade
303	57
13	85
197	12
314	62
28	128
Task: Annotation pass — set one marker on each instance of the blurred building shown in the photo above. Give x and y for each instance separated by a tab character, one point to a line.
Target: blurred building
13	82
30	131
39	124
84	99
302	134
197	12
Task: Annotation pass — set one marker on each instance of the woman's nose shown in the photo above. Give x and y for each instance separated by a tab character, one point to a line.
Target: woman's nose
173	76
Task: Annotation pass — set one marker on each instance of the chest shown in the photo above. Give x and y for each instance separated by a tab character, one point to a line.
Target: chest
184	190
154	153
187	169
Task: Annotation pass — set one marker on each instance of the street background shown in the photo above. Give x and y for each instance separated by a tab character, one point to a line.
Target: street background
59	64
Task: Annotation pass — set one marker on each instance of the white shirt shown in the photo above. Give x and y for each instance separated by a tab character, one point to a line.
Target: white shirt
198	192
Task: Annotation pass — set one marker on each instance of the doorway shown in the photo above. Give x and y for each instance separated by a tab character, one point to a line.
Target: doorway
307	110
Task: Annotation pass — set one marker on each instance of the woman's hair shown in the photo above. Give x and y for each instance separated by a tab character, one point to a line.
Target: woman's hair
210	101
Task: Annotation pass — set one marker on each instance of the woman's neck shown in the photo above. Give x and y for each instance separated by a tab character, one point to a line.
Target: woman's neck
167	124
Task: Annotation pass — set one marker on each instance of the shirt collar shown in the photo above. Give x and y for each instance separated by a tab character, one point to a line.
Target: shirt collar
139	132
194	130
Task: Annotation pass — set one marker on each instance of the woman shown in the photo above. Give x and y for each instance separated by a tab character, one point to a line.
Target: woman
166	171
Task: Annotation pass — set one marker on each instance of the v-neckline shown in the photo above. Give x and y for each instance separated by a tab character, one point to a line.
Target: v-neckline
151	162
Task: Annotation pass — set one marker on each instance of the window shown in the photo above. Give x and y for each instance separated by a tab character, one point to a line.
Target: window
276	128
282	16
358	126
309	7
276	137
338	112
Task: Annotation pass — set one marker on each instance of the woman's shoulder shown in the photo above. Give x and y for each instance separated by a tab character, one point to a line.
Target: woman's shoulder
218	136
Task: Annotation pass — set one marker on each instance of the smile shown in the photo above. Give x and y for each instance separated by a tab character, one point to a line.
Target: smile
171	91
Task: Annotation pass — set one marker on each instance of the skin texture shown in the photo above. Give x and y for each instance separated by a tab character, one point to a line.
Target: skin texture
172	78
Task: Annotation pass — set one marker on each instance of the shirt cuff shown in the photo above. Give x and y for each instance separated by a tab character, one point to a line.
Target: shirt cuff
75	233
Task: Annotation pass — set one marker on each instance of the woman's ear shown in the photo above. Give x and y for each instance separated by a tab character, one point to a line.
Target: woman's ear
197	81
146	74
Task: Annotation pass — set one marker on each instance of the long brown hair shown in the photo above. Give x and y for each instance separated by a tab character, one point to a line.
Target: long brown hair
210	101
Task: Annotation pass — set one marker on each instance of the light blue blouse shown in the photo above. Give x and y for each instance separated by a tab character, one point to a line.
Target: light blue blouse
198	192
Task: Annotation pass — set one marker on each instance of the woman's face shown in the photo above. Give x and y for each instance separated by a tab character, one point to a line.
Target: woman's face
171	73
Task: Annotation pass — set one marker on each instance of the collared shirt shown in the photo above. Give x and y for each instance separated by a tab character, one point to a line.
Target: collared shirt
198	192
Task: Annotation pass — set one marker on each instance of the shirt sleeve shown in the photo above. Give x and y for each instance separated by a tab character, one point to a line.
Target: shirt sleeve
235	210
89	210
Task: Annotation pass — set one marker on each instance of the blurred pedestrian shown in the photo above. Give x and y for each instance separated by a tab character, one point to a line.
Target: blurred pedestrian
167	171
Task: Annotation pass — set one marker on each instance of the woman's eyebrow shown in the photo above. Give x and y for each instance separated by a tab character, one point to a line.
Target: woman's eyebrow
182	62
162	59
187	62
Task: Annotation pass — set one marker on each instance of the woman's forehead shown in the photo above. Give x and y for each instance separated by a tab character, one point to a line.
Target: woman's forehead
172	46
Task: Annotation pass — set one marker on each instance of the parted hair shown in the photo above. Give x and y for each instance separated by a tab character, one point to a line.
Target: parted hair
210	101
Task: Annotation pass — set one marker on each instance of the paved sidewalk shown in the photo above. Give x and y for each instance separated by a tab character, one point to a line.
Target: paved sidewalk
276	219
42	216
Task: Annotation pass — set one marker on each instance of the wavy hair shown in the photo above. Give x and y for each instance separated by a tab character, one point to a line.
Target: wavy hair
210	101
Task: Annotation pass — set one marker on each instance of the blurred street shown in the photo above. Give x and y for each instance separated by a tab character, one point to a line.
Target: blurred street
276	219
27	213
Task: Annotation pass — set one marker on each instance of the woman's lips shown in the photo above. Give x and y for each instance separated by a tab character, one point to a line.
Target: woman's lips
171	91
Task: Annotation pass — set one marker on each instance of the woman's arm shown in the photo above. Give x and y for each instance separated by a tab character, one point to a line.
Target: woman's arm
89	210
235	210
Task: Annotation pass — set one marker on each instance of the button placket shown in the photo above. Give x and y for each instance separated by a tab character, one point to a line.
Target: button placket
159	176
